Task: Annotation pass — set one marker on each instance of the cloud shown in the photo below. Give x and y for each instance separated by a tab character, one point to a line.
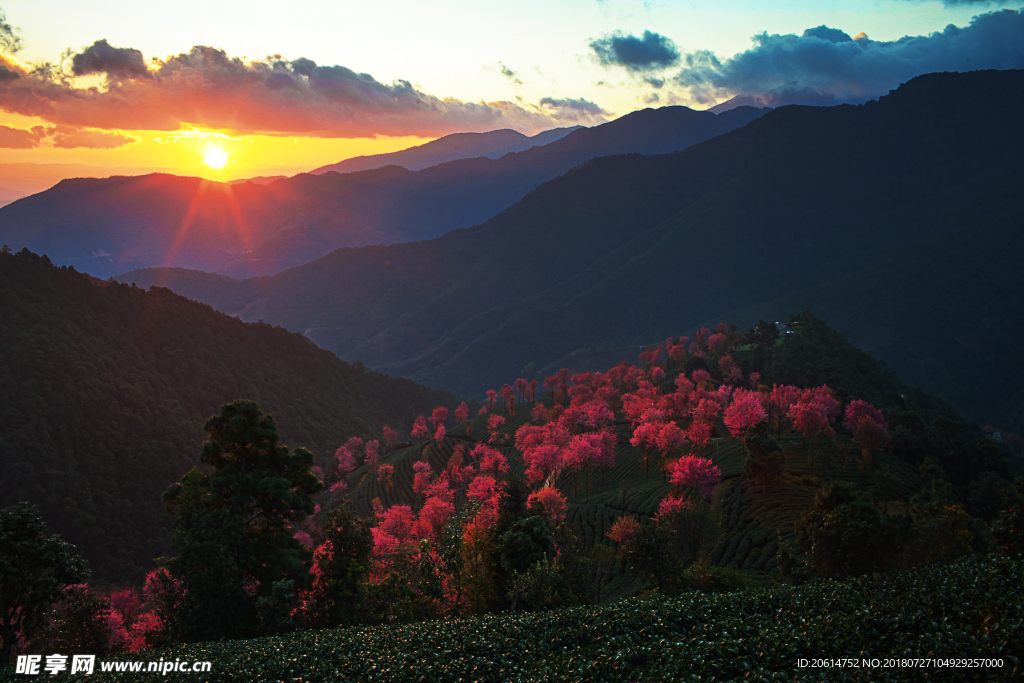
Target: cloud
510	74
206	88
17	138
119	62
66	137
573	110
650	52
69	138
9	40
828	66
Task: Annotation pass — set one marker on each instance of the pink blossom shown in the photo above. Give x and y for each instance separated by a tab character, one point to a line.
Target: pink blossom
696	473
553	502
419	428
669	506
744	412
421	477
624	529
481	488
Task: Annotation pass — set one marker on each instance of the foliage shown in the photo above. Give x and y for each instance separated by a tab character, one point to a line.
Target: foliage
35	568
234	527
957	610
104	389
663	550
845	535
765	457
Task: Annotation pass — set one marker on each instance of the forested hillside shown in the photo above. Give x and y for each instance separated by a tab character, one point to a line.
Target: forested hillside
104	389
627	249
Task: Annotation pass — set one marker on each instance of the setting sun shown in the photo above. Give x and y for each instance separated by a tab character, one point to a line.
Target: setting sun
215	157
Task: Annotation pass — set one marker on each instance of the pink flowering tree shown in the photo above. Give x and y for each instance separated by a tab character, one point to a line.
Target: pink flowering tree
390	437
699	474
419	429
552	503
869	428
743	413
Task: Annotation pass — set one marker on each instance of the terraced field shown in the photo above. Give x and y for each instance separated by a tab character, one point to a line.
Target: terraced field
751	518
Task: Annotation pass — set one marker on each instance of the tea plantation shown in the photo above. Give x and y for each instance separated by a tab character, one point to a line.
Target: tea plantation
966	610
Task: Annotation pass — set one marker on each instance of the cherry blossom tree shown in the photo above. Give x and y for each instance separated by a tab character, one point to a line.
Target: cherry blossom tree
385	476
744	412
699	474
390	436
553	504
419	428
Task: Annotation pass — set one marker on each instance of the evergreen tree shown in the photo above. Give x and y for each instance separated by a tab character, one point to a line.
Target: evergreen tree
235	527
34	569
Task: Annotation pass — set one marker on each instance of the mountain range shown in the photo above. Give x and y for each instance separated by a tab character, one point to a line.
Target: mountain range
920	185
107	226
493	145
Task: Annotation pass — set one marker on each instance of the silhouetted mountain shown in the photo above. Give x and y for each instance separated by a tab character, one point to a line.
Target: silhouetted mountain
104	390
945	312
628	249
117	224
492	145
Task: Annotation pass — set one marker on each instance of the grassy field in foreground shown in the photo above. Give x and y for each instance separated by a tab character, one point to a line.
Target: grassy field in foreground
953	611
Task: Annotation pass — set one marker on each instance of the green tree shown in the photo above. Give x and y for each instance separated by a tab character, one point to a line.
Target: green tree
35	567
844	534
765	458
235	527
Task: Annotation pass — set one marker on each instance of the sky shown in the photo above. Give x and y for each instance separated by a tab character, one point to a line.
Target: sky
226	89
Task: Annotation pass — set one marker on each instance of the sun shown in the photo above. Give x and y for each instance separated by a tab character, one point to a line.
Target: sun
215	157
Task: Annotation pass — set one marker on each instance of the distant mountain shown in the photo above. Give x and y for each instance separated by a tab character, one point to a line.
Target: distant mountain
629	249
259	180
492	145
117	224
104	390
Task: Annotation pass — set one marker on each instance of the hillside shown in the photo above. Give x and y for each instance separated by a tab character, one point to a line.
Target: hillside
492	145
629	249
112	225
943	312
104	390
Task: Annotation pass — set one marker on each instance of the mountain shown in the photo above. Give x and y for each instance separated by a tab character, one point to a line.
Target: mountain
116	224
492	145
104	390
945	312
629	249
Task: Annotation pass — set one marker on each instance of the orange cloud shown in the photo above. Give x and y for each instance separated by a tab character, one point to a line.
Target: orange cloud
205	87
17	138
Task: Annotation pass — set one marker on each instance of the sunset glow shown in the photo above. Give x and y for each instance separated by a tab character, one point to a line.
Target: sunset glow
287	95
215	157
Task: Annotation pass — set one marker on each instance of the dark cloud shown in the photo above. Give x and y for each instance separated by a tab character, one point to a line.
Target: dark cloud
657	83
650	52
205	87
828	66
574	110
16	138
116	62
9	40
832	35
510	74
